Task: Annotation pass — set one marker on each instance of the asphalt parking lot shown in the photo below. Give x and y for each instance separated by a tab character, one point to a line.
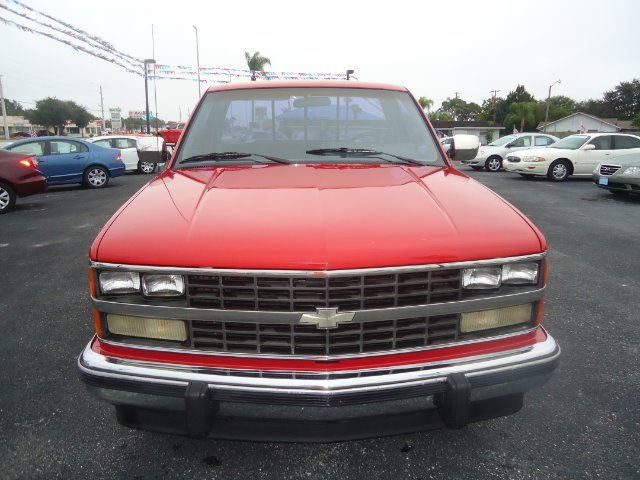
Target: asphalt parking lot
585	423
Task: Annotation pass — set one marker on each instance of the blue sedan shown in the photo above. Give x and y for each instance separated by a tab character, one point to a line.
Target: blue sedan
66	160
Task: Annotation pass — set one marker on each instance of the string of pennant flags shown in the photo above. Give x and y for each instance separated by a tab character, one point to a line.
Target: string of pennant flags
100	48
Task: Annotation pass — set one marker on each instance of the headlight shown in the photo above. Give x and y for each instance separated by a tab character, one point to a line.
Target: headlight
158	328
631	171
156	285
520	274
534	159
481	278
119	282
480	153
500	317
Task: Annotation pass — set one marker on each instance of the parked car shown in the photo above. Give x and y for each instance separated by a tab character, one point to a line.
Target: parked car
621	176
492	155
134	150
446	143
66	160
576	155
345	282
19	177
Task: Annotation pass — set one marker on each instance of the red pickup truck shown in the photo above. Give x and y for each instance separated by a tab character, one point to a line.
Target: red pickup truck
172	135
321	272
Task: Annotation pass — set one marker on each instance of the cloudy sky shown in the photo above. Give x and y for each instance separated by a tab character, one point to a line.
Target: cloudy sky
434	48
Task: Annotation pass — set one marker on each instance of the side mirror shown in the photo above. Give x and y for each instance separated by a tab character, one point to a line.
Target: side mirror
589	146
464	147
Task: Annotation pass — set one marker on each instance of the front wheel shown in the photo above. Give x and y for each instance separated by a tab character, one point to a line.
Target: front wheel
7	198
493	164
96	177
146	167
558	171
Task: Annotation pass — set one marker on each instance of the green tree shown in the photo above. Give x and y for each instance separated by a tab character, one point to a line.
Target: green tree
256	63
624	99
597	108
522	113
636	121
460	110
439	116
49	112
13	107
559	107
78	115
425	103
519	95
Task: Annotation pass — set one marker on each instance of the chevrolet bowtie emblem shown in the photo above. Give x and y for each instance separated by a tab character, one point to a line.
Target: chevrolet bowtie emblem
326	318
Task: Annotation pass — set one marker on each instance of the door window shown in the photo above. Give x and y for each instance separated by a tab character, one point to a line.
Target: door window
124	143
103	143
624	142
61	147
522	142
541	141
32	147
604	142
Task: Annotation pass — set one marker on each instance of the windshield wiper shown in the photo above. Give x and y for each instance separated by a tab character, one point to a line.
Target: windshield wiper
232	156
344	152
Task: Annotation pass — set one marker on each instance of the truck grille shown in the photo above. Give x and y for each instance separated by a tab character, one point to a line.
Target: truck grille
306	294
609	169
296	339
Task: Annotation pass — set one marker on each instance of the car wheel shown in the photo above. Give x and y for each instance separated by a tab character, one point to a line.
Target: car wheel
477	168
96	177
146	167
493	164
558	171
7	198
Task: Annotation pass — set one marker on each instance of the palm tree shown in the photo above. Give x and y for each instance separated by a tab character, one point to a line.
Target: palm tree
256	63
523	112
425	103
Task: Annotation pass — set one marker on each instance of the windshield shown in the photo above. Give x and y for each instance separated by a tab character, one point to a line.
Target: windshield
572	142
502	141
295	124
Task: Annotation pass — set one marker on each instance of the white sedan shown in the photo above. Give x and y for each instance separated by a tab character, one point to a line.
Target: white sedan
576	155
131	148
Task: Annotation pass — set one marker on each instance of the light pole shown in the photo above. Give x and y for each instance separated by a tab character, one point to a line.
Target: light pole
198	60
147	61
546	115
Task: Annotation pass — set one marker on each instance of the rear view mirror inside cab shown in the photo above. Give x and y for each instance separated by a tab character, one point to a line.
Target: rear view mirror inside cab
303	102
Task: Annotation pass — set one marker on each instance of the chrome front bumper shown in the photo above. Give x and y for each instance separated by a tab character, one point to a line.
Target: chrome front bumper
200	393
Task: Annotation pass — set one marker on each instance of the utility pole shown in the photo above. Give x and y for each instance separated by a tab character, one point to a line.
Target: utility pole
102	109
198	60
457	93
494	104
546	115
4	112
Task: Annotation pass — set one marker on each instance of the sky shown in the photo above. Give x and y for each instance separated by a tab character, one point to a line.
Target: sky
434	48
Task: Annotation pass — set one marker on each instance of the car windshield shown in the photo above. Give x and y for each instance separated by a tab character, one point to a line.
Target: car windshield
572	142
502	141
313	125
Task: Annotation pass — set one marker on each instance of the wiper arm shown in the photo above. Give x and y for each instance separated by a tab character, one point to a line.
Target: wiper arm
344	152
232	156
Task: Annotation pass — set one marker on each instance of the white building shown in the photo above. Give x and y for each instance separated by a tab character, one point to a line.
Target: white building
579	123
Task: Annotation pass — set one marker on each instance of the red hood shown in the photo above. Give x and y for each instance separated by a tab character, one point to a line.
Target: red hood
314	217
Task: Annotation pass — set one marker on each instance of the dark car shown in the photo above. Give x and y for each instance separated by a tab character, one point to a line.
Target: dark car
67	160
19	177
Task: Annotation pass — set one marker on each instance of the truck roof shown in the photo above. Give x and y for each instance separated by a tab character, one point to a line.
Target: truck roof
306	84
